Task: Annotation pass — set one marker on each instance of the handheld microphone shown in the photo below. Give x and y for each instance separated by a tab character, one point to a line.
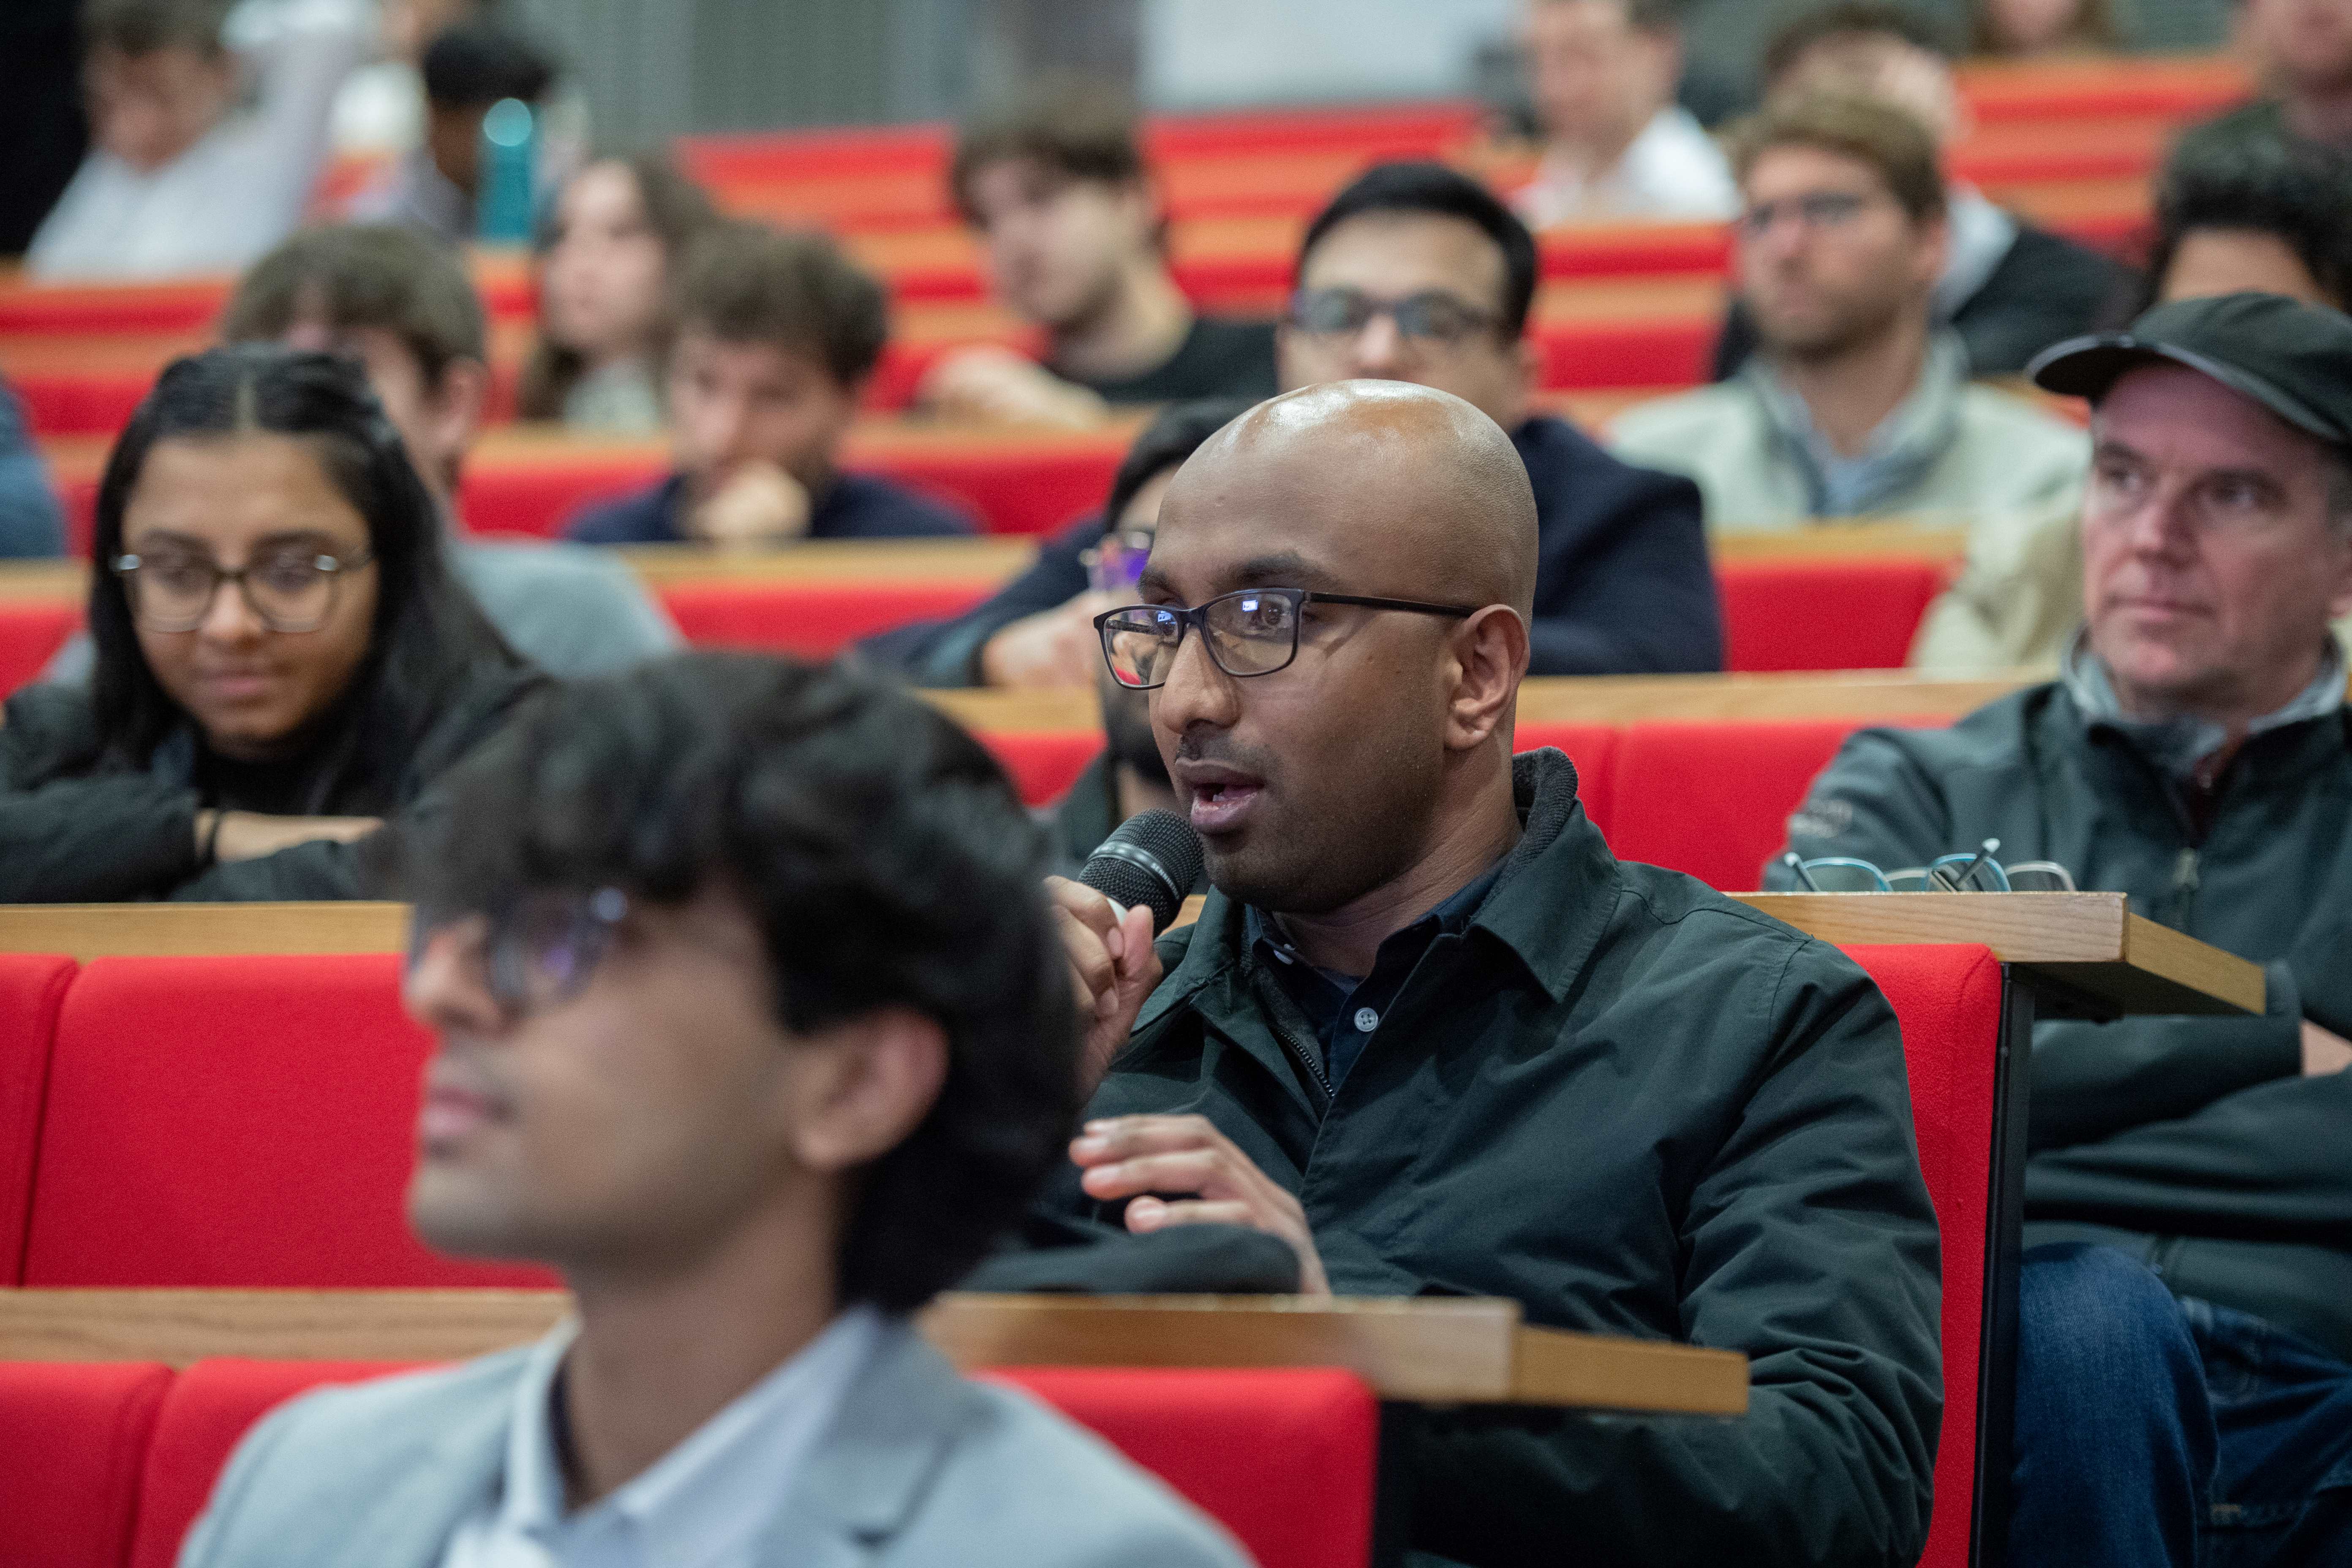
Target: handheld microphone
1152	860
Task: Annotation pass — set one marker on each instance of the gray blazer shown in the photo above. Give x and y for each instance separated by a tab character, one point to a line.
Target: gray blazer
920	1468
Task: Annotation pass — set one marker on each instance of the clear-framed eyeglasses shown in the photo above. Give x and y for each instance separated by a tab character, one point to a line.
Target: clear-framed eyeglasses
1967	871
536	952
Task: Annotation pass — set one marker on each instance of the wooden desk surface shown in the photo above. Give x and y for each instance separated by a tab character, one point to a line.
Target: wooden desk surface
1434	1351
2090	944
84	932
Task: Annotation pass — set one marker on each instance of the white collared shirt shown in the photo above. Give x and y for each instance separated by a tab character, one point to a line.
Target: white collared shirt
704	1504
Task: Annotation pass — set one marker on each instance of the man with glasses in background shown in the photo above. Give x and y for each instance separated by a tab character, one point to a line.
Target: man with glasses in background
1416	273
751	1021
1432	1035
1857	402
2185	1340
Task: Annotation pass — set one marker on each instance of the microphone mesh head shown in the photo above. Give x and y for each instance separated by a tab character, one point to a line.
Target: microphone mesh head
1153	860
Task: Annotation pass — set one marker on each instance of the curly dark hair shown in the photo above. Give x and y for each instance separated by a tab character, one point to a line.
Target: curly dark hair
2298	192
888	862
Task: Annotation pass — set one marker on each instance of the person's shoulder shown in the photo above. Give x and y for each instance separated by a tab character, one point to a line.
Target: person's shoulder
1058	1494
640	517
874	506
1233	334
50	731
1679	416
1995	413
1695	930
1997	736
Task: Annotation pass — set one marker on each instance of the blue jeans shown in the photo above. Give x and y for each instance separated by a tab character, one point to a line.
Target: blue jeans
2152	1430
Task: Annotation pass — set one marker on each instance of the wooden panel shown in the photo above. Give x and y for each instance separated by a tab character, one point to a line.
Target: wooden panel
100	931
1437	1350
990	559
2089	945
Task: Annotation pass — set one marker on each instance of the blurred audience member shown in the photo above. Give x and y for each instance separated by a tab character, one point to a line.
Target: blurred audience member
776	336
1616	145
181	178
42	123
436	186
1415	272
381	110
619	226
1857	404
30	523
284	658
2021	30
2184	1337
2009	288
1074	241
2302	50
2257	215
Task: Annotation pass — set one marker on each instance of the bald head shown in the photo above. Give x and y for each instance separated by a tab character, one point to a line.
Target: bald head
1412	488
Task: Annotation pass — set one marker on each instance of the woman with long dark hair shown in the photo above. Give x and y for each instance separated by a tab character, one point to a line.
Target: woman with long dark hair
283	660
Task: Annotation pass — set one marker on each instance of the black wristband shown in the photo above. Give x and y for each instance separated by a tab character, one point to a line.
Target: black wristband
209	853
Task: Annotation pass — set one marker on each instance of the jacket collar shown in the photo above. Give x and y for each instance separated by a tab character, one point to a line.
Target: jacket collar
453	1468
2179	748
1908	443
870	1471
1550	901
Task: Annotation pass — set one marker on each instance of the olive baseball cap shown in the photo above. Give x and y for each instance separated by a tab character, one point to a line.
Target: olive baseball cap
2294	359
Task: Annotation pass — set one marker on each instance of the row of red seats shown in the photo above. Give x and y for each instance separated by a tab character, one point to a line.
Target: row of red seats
1807	614
245	1123
106	1465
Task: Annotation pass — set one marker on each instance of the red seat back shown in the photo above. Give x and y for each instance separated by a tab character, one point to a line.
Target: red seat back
1829	613
209	1408
1591	747
1948	1000
1714	799
31	989
814	620
240	1121
72	1437
1044	763
1283	1457
30	635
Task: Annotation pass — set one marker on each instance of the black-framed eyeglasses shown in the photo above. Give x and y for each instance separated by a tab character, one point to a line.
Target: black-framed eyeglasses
1431	316
289	590
1252	632
538	951
1968	871
1815	210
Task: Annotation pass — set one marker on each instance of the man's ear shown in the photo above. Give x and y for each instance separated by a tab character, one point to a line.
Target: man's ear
453	406
868	1084
1934	246
1491	660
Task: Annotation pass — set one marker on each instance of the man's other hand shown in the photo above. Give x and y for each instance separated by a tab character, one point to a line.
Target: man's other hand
756	507
989	384
1142	1157
1053	647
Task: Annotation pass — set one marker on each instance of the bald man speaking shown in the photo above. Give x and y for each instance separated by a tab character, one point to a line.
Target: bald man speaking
1431	1032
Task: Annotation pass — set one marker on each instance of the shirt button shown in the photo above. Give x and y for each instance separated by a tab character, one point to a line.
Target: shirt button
1366	1020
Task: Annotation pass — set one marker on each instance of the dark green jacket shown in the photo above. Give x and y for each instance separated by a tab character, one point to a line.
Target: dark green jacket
2194	1142
1640	1109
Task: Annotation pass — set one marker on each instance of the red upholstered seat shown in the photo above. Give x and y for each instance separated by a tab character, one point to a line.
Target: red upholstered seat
1282	1457
1044	763
209	1408
1948	1000
234	1122
815	620
31	987
1591	747
1714	799
72	1437
1826	613
30	633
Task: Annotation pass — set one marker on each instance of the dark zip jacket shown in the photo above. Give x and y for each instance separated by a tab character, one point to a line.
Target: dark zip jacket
79	828
2193	1143
1639	1109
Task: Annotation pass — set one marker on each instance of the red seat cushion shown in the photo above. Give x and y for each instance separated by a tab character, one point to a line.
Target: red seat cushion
31	987
1948	1000
1282	1457
209	1408
1714	799
1829	613
73	1436
1591	747
814	620
1044	763
30	634
234	1122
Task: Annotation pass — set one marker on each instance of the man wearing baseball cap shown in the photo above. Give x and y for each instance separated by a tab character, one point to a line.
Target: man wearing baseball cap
2183	1392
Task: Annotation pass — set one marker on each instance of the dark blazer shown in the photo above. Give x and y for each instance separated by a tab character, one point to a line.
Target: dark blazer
1622	582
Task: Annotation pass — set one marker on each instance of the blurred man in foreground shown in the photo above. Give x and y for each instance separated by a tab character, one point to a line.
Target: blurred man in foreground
1430	1031
750	1022
2184	1377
